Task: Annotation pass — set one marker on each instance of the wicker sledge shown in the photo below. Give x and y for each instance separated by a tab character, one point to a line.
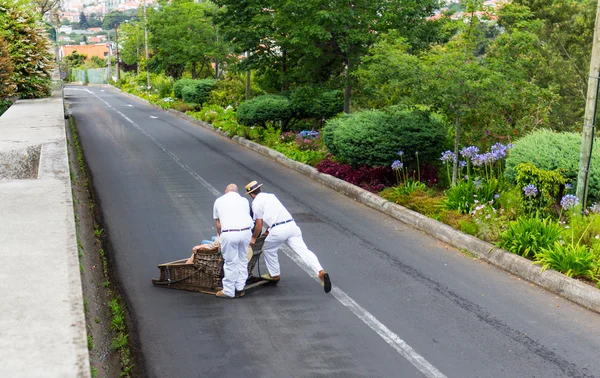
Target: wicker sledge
206	273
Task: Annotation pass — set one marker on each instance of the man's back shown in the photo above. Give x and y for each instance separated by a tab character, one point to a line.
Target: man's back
266	206
233	211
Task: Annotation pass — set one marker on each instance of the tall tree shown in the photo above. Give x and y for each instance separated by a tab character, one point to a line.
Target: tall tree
83	24
183	34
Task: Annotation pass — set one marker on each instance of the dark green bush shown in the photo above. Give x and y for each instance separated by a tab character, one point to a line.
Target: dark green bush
263	109
548	183
198	92
528	236
313	102
552	151
374	137
179	85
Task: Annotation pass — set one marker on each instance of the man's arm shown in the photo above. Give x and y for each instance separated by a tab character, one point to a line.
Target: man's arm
257	229
218	222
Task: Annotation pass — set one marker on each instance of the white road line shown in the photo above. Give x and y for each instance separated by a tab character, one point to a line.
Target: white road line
153	117
365	316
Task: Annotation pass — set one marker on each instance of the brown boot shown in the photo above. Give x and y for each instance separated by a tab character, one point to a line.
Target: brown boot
325	281
268	277
221	294
239	294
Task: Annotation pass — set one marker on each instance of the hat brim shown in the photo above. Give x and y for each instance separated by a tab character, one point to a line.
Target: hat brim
253	189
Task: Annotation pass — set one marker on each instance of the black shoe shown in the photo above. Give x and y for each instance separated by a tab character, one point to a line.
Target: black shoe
325	281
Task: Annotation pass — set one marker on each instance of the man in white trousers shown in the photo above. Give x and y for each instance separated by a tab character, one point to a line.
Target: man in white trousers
234	224
281	228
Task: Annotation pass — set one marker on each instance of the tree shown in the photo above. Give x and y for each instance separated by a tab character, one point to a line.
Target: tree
132	36
324	39
83	24
28	48
7	85
113	19
45	6
566	32
184	35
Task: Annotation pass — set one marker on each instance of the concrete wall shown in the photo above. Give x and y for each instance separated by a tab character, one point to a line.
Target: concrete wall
42	323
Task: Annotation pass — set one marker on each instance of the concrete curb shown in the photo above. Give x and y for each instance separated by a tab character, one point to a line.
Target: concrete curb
571	289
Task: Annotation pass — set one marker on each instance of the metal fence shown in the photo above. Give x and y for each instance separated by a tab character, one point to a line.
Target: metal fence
94	75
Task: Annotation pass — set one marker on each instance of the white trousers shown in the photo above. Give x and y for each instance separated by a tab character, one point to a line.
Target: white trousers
234	248
290	234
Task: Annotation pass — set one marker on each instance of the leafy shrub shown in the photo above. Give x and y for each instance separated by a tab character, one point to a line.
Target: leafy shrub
552	151
528	236
198	92
373	179
574	260
547	184
164	86
223	119
317	103
28	47
466	194
179	85
7	85
263	109
229	91
374	137
416	199
309	157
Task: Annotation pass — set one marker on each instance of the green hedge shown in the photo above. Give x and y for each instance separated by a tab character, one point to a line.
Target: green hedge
374	137
314	102
551	151
179	85
263	109
198	92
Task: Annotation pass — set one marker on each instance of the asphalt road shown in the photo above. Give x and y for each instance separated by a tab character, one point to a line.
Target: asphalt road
403	305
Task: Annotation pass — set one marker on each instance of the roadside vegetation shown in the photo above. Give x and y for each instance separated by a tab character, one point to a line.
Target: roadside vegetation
25	58
470	115
108	339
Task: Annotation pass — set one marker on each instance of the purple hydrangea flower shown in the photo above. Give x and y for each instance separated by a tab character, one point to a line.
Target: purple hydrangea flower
496	196
595	208
400	153
530	190
568	186
448	156
569	201
397	165
499	151
469	152
462	163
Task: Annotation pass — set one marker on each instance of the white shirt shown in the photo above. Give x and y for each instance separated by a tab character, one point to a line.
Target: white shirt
268	208
233	211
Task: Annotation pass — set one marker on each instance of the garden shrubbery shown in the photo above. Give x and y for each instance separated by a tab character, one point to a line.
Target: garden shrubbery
179	85
316	103
198	91
264	109
552	151
374	137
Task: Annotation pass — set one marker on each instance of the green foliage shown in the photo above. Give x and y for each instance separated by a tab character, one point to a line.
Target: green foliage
164	86
28	48
7	85
198	92
263	109
466	194
528	236
316	103
552	151
548	183
415	197
229	91
309	157
572	259
374	137
222	119
180	85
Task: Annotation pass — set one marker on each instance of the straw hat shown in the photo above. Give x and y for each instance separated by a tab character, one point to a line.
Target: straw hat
252	186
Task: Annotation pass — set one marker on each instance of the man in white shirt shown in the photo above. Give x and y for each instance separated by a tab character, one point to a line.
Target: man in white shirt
232	216
281	228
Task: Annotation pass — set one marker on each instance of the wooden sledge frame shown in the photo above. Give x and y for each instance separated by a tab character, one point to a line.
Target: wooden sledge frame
176	267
